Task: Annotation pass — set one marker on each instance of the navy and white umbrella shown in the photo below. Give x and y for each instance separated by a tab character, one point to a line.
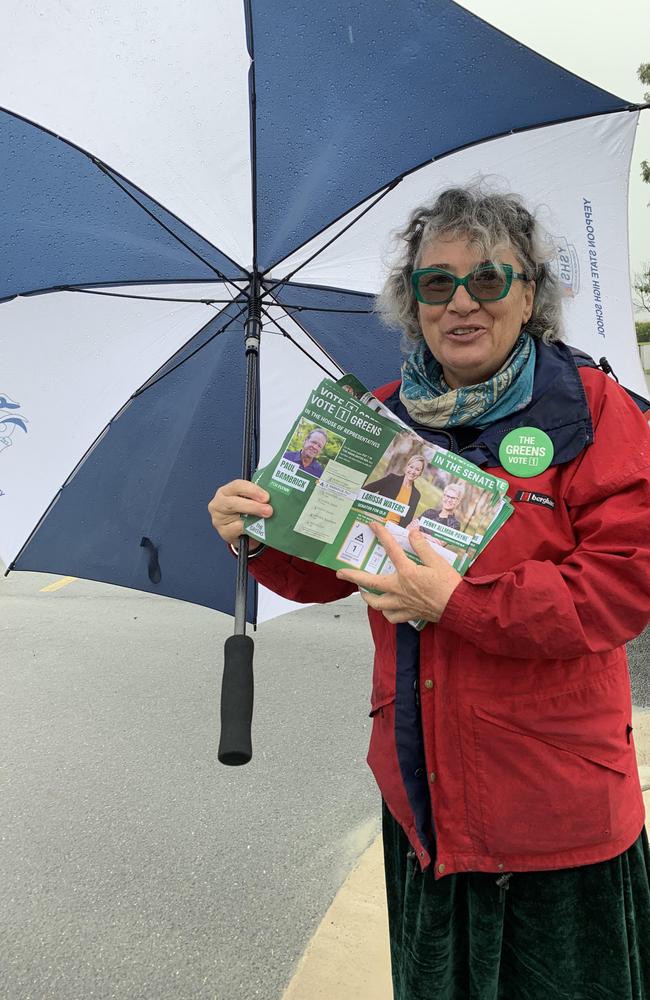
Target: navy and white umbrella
174	174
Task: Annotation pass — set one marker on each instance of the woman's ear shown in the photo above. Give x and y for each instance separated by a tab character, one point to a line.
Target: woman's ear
529	298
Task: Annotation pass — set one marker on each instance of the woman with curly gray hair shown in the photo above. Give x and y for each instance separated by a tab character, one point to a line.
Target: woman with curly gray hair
493	222
515	854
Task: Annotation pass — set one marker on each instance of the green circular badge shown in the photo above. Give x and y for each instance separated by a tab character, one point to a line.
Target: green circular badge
526	452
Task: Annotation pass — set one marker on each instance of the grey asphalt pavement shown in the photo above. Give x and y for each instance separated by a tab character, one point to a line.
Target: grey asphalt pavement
638	653
133	865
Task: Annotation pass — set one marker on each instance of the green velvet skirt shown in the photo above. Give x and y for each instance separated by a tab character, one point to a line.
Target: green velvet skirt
576	934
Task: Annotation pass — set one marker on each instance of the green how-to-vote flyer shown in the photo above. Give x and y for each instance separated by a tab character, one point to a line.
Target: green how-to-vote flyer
348	462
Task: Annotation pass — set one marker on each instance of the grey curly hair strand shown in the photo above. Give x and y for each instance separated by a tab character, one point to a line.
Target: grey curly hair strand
491	222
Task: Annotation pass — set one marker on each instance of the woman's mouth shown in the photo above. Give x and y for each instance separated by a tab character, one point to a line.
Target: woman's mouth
465	332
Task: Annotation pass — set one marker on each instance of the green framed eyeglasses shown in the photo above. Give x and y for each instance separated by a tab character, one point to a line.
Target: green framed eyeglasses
486	283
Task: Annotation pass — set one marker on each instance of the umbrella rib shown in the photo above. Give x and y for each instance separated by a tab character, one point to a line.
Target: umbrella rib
93	286
105	170
313	286
382	194
325	309
295	343
252	108
146	298
154	381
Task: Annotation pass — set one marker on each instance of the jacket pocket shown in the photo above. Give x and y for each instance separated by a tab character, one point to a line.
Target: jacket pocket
379	703
540	793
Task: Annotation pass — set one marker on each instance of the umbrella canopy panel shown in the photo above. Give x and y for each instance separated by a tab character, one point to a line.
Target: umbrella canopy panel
350	96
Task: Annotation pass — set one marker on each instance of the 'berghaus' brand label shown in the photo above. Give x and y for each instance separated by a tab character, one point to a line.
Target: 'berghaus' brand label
527	496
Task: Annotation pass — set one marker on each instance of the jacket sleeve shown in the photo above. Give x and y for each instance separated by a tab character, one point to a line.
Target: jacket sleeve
298	580
599	596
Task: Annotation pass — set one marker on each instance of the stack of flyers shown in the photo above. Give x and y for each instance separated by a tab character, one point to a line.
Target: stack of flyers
348	462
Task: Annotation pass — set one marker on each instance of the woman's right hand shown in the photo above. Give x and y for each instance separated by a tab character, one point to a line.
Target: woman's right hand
231	502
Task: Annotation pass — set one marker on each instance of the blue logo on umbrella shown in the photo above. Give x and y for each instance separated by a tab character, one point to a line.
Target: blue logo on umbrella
9	421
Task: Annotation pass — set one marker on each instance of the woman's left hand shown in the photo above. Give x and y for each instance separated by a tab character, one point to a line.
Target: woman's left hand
412	591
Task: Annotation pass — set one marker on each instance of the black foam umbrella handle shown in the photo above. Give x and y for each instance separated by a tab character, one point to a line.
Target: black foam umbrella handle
237	701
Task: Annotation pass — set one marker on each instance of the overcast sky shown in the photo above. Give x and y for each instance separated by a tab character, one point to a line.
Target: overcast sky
603	42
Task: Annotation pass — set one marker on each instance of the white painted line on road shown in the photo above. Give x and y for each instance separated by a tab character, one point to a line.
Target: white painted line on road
63	582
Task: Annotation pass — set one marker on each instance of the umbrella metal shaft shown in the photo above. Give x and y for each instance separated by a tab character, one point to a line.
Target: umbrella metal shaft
252	344
237	686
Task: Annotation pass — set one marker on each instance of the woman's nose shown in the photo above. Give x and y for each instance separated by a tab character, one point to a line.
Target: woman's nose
462	302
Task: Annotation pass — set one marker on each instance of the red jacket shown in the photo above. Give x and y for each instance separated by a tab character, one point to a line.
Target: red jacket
525	758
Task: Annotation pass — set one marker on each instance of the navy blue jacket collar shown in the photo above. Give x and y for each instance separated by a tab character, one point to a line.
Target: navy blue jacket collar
558	406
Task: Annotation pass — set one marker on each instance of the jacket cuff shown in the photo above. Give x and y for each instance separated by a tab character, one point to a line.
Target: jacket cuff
468	609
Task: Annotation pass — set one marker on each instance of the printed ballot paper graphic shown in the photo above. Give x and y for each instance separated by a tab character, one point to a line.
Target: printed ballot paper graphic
357	544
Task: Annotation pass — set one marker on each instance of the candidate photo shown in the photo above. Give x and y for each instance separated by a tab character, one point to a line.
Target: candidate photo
400	487
452	496
312	447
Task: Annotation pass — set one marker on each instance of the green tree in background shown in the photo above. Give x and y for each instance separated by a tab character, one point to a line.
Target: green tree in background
642	279
643	73
642	289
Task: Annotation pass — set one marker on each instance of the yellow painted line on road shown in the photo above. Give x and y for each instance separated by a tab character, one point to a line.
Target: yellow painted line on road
349	955
63	582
